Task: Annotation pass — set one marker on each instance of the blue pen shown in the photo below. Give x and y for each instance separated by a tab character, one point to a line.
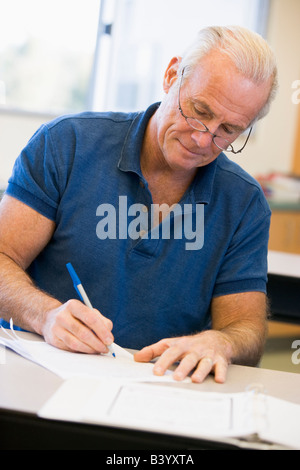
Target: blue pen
82	294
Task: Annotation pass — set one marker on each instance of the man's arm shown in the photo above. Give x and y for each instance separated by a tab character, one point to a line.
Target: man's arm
72	326
237	336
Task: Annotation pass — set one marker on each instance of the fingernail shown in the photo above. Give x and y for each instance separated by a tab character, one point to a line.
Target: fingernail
158	370
178	375
197	378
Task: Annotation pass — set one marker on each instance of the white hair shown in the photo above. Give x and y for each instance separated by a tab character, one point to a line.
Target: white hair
250	53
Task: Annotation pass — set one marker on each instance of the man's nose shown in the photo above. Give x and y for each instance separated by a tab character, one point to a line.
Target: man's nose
202	139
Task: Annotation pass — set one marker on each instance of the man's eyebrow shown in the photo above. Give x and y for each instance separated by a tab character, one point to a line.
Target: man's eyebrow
206	108
235	127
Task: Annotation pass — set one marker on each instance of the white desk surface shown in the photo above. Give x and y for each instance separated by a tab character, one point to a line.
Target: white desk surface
26	386
284	264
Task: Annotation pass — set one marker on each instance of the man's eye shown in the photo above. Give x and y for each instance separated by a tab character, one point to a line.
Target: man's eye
200	113
227	131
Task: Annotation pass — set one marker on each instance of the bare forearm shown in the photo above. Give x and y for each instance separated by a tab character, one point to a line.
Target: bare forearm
247	342
20	299
72	325
242	319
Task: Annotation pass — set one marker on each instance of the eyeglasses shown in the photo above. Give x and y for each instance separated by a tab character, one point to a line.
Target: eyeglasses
220	142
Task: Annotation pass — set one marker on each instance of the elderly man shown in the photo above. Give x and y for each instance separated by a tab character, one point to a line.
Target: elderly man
79	181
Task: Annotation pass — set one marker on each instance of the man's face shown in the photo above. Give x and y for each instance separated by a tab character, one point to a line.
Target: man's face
214	93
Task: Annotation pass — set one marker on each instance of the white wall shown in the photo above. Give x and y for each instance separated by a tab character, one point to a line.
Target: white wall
272	145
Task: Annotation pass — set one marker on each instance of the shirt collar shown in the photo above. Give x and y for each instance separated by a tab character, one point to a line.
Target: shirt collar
203	183
131	150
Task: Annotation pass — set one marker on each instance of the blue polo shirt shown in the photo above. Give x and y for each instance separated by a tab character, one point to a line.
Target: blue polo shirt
83	172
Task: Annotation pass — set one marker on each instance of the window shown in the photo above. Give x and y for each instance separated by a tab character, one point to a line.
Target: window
146	34
46	53
72	55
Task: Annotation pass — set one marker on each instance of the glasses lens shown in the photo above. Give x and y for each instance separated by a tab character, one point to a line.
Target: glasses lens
195	124
222	143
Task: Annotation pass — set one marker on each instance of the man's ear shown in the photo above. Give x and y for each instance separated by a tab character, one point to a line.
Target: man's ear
170	76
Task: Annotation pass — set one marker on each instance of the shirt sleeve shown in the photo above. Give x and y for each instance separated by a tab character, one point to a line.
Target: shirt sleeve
35	178
244	267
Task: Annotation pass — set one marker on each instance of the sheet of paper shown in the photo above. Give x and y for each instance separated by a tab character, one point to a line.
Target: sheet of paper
154	407
282	424
241	418
67	364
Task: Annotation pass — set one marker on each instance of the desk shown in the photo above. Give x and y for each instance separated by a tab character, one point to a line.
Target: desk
25	388
284	286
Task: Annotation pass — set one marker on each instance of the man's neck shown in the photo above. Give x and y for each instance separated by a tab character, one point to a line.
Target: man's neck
167	185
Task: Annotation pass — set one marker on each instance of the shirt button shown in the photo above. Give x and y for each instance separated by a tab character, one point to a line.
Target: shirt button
145	209
142	233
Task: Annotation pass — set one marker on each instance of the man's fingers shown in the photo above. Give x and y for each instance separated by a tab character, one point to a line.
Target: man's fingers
80	338
69	342
149	353
206	366
167	359
75	327
221	368
203	368
188	363
195	355
94	320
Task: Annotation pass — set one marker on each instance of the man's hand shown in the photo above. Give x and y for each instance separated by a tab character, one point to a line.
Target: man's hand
71	326
201	354
75	327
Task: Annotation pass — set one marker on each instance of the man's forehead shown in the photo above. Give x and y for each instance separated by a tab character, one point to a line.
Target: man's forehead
216	80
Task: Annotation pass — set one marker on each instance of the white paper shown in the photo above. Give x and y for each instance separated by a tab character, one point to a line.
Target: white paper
2	355
108	390
68	364
149	407
283	423
177	411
